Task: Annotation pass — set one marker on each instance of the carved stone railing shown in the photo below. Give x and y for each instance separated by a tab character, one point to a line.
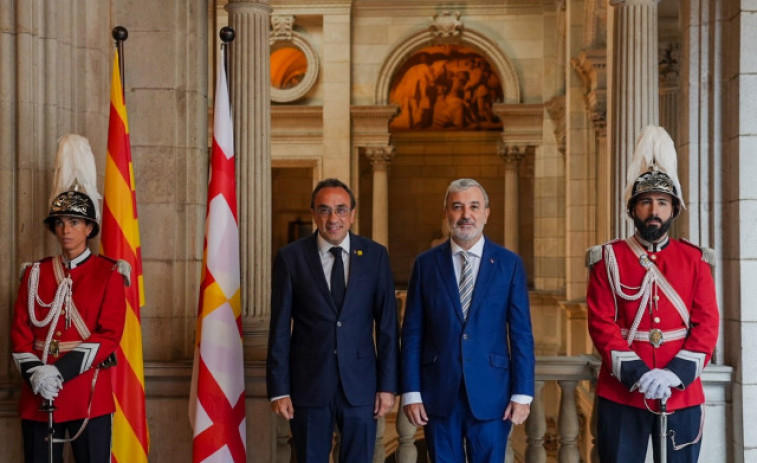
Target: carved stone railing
567	373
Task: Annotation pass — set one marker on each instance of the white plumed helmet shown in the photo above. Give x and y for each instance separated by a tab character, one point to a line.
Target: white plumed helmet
654	168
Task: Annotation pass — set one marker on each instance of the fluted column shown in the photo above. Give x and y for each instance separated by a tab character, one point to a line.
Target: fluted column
251	101
668	71
380	157
635	92
512	155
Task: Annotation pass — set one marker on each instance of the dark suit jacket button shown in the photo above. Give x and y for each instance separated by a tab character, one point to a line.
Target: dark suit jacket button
338	323
334	351
465	336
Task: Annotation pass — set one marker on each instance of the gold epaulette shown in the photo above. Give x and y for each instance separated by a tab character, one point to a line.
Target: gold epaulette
709	255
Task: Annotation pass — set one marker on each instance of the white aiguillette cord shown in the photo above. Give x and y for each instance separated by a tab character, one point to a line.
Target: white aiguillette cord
62	296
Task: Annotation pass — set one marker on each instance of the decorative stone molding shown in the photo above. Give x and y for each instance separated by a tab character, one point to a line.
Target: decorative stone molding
281	27
595	33
283	35
521	123
556	110
467	37
370	124
293	123
591	65
668	63
380	156
446	25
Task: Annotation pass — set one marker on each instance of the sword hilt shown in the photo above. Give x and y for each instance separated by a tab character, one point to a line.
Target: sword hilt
47	406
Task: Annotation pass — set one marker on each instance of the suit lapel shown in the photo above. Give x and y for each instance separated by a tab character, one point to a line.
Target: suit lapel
357	267
313	260
485	274
447	274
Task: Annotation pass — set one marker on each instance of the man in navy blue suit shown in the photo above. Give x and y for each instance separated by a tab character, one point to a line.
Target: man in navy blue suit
467	343
332	295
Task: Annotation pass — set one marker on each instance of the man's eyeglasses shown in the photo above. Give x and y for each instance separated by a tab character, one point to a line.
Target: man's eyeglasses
325	212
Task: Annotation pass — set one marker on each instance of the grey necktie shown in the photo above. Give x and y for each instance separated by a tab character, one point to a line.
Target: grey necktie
466	282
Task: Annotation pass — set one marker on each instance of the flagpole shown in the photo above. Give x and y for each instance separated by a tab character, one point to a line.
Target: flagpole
227	35
120	34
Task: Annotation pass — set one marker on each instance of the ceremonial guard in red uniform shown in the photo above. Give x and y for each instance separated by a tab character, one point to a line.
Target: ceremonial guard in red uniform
653	318
67	322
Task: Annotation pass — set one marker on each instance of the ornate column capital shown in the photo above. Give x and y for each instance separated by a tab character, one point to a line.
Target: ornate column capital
669	65
380	156
512	153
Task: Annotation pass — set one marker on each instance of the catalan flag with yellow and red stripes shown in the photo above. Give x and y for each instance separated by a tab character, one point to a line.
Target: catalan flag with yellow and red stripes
120	240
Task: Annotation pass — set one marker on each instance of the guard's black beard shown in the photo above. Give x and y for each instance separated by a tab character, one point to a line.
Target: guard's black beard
652	232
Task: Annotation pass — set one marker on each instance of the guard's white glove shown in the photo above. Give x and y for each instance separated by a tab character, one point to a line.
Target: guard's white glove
50	388
46	378
655	384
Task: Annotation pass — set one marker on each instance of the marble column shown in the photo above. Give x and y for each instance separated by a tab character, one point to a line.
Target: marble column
251	107
512	155
380	157
635	90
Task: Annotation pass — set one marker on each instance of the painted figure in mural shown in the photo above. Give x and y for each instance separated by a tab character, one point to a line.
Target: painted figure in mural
452	110
467	344
653	317
333	344
446	87
68	320
416	92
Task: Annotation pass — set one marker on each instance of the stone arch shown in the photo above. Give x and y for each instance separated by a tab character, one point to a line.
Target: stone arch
468	37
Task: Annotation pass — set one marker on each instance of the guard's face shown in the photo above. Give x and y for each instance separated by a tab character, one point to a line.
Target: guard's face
332	214
653	214
72	235
466	215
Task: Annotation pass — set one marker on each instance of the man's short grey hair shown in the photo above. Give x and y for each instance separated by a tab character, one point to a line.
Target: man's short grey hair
462	184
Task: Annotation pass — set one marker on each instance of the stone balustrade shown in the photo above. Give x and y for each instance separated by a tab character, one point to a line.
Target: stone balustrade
567	373
561	426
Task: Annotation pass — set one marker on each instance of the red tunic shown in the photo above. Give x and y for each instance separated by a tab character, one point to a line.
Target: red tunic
98	294
683	266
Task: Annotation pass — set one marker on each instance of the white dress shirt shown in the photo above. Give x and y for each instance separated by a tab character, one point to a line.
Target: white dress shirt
327	259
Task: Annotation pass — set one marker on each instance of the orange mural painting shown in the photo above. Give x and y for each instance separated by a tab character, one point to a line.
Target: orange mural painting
446	87
288	67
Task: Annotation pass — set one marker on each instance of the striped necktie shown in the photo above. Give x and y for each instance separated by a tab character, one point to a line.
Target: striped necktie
466	283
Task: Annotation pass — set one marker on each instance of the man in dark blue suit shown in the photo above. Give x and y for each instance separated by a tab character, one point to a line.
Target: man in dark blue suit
332	295
467	343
